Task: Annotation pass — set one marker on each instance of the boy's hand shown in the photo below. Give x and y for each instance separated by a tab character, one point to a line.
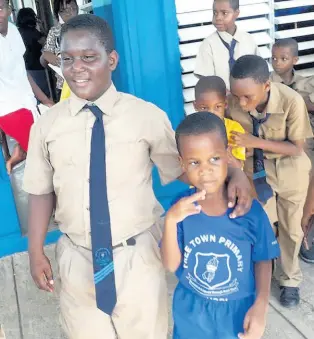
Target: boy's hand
254	322
185	207
18	155
246	140
41	271
239	193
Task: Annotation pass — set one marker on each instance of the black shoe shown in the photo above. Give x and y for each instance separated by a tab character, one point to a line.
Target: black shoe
289	296
307	255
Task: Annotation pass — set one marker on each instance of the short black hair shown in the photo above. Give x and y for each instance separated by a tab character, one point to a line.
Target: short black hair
201	123
58	5
234	4
210	84
93	24
26	17
290	43
251	66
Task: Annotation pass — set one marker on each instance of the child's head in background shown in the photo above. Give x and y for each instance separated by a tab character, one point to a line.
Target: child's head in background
211	95
249	82
225	13
285	56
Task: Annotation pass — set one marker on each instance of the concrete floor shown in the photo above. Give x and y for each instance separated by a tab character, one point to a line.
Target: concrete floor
27	313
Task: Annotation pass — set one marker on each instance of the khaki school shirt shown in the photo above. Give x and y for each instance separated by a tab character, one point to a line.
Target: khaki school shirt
304	86
138	135
275	77
213	56
288	117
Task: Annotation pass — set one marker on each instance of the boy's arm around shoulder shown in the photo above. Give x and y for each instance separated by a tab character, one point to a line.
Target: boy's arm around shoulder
162	145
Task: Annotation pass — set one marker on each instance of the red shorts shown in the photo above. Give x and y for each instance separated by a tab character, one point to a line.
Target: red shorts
18	125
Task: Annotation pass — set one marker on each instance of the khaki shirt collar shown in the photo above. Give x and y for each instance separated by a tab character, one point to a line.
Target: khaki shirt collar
275	77
274	106
106	102
228	37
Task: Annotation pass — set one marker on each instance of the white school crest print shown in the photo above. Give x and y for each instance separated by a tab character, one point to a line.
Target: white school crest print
213	273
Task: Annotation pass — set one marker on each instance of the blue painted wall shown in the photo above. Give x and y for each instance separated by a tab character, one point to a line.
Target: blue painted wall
147	41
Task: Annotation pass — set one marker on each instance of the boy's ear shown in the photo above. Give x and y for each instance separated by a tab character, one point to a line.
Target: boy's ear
236	14
267	86
295	60
194	105
182	164
113	60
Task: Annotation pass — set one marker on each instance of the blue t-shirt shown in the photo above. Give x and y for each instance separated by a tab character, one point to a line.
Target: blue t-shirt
218	253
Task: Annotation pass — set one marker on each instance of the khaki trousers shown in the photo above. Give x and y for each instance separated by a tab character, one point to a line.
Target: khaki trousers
141	311
289	179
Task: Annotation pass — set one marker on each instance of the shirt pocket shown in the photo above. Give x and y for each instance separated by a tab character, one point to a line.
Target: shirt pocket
274	129
67	149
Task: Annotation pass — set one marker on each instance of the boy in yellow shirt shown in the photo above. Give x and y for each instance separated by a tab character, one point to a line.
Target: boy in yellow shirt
211	96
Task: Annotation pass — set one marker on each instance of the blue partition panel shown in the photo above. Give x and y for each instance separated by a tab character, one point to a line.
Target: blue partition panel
147	41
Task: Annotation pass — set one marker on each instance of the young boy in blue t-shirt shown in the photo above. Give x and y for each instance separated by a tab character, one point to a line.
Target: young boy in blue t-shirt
223	264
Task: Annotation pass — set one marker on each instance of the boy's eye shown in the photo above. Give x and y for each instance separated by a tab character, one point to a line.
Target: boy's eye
225	13
214	159
66	59
219	107
89	58
274	59
193	163
203	108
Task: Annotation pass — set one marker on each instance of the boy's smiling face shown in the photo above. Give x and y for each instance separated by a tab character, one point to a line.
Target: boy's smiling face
86	65
204	160
283	60
224	16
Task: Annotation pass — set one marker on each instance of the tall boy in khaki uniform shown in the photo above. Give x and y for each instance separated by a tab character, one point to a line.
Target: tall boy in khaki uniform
219	51
137	136
283	127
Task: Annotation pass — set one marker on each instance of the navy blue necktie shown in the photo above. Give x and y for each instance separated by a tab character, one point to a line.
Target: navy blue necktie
263	189
104	277
230	49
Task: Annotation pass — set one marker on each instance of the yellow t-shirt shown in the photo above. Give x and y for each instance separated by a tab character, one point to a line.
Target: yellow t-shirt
65	93
237	152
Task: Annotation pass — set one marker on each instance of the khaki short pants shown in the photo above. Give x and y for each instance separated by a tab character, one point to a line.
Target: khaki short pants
141	311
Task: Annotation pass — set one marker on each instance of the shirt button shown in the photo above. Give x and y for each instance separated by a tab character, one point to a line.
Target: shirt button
87	208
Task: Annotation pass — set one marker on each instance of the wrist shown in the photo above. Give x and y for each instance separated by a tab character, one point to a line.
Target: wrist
257	143
261	303
170	221
36	251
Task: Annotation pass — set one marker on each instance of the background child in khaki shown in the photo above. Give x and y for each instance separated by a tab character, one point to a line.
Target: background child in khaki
211	96
276	119
219	51
284	58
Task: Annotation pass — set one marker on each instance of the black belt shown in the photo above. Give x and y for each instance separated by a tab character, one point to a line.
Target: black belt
130	242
